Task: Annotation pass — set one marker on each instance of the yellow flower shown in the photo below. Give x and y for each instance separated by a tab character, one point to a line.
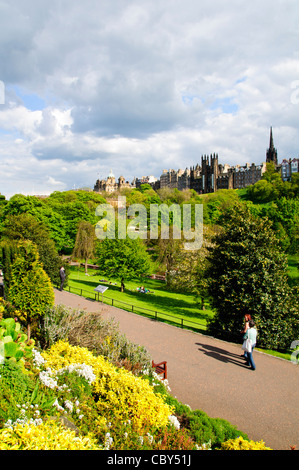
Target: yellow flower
242	444
129	396
46	436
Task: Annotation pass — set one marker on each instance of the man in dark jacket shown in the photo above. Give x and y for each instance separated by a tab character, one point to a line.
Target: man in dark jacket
62	277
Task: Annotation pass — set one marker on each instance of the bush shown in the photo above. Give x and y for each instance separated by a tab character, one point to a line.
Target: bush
130	397
242	444
91	331
29	288
54	325
45	436
16	388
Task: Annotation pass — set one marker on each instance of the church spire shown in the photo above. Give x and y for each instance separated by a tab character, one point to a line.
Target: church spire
271	152
271	139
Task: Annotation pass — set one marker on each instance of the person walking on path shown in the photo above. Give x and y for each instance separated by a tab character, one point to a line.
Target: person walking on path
247	318
252	334
62	277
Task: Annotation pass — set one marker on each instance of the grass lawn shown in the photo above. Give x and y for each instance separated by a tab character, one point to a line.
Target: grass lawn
293	272
172	307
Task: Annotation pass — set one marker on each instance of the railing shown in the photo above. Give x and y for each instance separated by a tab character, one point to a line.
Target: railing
155	314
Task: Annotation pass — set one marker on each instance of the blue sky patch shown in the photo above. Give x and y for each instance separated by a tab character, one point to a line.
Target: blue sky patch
30	100
226	105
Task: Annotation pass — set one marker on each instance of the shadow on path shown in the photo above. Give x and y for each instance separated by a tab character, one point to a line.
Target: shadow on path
222	355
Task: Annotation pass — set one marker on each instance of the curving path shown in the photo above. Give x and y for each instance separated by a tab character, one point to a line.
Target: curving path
210	375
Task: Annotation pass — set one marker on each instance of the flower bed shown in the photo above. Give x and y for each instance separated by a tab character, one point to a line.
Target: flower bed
67	397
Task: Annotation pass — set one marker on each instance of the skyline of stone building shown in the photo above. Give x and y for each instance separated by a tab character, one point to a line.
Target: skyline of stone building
208	177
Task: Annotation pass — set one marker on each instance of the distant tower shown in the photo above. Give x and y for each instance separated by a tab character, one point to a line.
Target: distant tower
209	173
271	152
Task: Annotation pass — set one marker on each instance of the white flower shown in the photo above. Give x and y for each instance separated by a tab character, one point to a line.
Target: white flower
58	406
108	441
38	359
8	424
82	370
46	379
205	446
69	405
161	381
174	421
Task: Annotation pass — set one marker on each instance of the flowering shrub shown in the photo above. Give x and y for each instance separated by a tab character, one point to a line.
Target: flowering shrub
130	397
175	440
45	436
242	444
91	331
15	388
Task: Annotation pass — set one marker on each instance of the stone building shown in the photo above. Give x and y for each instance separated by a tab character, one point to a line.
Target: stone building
151	180
247	175
208	177
211	176
110	185
288	168
175	179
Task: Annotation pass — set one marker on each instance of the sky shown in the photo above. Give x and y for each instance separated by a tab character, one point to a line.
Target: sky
139	86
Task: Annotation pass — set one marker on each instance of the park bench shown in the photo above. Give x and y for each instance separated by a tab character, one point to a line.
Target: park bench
161	368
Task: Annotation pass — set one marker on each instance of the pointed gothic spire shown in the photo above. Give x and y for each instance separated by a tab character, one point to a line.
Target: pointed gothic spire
271	146
271	152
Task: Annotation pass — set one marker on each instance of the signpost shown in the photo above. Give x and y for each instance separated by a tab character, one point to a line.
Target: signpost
101	289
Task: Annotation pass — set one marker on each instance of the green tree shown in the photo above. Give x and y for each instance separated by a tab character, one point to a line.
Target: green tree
26	227
122	259
85	242
188	269
284	214
168	251
29	288
263	191
248	274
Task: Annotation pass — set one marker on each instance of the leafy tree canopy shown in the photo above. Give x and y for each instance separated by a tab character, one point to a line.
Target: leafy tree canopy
85	242
248	274
29	288
26	227
122	259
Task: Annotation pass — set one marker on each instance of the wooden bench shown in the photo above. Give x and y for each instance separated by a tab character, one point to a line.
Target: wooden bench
161	368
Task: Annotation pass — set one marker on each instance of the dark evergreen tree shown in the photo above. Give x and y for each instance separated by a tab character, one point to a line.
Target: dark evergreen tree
248	274
29	288
24	226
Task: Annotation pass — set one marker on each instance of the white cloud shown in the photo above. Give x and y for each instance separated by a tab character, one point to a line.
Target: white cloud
139	87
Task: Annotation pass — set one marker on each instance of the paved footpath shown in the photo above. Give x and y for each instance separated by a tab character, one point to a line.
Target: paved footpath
210	375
